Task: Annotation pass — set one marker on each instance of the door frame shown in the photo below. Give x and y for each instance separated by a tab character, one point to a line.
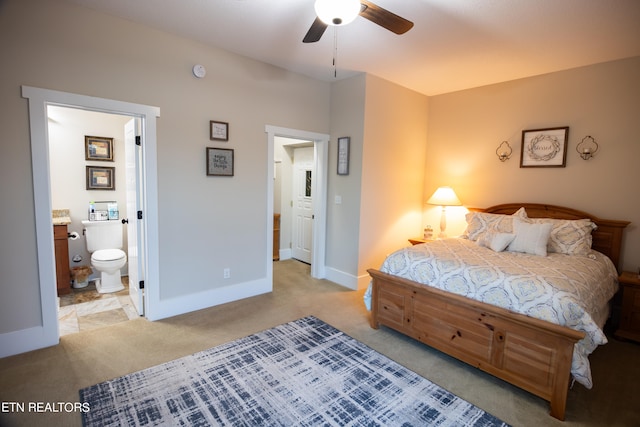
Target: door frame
319	188
39	99
135	228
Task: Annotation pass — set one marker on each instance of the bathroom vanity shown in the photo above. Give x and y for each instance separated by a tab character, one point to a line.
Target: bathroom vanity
276	237
61	245
61	220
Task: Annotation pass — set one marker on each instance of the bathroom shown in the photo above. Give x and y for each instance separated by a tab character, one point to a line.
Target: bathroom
85	308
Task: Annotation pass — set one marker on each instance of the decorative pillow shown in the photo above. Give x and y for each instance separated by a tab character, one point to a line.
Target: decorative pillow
530	238
481	222
495	241
571	237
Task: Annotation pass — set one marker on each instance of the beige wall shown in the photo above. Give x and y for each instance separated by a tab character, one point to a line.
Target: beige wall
466	127
395	136
382	195
343	227
205	222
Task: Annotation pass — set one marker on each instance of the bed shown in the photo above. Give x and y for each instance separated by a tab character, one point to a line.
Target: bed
526	340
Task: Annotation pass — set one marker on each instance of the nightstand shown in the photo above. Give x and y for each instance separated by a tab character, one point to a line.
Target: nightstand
418	240
630	317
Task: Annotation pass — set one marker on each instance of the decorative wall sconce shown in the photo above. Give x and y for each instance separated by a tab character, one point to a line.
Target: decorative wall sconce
504	151
587	147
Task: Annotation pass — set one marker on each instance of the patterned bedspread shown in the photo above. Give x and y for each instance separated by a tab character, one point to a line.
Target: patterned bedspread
572	291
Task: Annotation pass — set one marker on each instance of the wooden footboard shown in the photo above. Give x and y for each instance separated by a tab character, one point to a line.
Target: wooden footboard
529	353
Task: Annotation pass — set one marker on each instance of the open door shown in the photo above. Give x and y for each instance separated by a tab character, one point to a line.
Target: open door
134	186
302	213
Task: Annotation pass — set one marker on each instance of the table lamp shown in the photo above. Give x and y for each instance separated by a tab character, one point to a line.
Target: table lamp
444	196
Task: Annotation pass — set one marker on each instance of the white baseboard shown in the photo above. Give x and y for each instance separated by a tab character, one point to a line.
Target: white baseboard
188	303
285	254
341	278
17	342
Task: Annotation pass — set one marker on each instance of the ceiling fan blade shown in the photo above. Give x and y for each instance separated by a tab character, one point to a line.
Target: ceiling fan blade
315	32
384	18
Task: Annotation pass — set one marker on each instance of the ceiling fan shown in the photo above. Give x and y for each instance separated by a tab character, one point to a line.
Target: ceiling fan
342	12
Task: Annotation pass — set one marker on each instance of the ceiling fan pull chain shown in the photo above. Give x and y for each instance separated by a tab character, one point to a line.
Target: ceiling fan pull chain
335	52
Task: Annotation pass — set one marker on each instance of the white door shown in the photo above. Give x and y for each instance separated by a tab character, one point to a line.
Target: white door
135	250
302	230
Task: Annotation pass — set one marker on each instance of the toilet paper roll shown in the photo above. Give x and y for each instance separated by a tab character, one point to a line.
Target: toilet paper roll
73	235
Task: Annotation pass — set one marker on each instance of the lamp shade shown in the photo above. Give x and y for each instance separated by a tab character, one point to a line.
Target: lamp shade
444	196
337	12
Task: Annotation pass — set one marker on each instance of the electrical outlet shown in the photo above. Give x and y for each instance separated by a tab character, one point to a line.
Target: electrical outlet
226	273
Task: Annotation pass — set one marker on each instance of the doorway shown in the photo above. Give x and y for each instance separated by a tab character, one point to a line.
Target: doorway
318	187
39	99
72	154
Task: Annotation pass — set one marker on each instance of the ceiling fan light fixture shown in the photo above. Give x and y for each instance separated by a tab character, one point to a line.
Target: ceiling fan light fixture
337	12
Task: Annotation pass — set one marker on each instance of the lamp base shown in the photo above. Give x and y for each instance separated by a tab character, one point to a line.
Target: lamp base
443	223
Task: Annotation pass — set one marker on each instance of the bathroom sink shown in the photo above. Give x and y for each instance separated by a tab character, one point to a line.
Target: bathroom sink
61	217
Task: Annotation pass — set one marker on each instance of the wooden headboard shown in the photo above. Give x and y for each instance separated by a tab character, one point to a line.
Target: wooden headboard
607	238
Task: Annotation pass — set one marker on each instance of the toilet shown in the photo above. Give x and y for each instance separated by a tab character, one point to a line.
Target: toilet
104	242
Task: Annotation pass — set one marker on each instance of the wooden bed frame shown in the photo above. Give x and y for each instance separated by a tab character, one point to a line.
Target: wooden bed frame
532	354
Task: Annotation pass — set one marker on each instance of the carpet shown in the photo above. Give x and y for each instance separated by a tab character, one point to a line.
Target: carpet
302	373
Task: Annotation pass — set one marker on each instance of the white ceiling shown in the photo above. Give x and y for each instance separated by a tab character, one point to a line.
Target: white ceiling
454	45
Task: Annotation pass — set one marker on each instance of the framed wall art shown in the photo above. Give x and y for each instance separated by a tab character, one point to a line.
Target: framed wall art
343	155
101	178
544	148
98	148
218	131
219	162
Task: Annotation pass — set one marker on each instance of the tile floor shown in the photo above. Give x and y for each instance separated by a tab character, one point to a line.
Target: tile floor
85	309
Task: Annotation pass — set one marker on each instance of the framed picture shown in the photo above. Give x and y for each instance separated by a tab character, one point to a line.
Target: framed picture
98	148
219	162
544	148
343	155
219	131
101	178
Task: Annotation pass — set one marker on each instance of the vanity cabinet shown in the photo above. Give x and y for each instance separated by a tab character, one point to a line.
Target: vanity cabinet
276	237
61	246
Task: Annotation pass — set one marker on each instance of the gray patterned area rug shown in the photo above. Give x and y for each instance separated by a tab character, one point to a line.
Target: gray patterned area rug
302	373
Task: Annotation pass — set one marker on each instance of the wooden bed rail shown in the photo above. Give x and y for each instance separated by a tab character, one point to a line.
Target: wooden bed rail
529	353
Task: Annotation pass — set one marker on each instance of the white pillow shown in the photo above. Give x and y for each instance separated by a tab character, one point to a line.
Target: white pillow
495	240
530	238
479	223
571	237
